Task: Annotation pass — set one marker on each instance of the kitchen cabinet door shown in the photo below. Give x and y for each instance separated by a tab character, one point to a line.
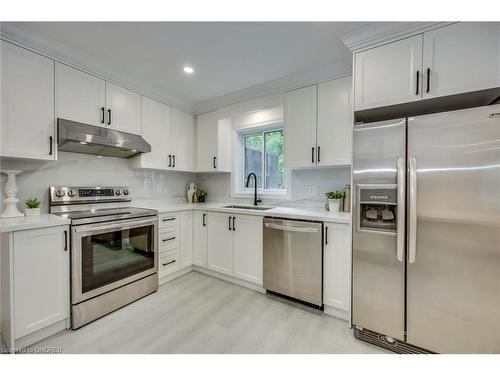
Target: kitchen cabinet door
220	243
200	238
81	96
300	127
387	75
41	279
182	140
207	142
123	109
27	109
156	130
248	248
336	267
186	235
461	57
335	122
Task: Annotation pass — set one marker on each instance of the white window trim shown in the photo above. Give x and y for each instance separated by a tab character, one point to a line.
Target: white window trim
237	188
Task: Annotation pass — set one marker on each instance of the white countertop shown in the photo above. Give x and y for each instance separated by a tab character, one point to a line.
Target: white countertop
23	223
307	213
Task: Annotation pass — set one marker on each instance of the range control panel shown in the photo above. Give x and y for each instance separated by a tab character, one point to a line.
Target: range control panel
68	194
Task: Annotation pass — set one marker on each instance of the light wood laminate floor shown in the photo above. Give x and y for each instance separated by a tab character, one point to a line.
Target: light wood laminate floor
201	314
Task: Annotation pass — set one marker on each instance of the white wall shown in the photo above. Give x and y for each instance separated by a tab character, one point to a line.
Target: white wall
89	170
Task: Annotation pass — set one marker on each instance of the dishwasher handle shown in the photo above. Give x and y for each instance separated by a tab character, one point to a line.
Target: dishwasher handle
291	228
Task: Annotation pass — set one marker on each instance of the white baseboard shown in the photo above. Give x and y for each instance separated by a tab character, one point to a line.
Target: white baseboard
174	275
233	280
337	313
39	335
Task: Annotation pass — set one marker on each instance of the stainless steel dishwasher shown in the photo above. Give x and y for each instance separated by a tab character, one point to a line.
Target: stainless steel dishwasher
293	259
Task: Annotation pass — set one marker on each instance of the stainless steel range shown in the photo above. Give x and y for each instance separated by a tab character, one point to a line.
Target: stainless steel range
114	256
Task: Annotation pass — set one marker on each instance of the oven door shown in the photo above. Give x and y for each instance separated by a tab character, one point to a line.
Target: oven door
106	256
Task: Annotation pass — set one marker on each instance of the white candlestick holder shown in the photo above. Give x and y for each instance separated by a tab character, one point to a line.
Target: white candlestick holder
10	191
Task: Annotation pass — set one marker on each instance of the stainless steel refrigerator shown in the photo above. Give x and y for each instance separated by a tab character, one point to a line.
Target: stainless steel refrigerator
426	232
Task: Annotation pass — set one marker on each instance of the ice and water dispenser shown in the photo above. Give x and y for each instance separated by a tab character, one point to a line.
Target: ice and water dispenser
377	208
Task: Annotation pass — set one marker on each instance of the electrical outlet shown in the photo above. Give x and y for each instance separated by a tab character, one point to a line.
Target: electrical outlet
312	191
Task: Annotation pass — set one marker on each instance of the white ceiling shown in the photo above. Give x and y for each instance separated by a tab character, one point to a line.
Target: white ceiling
227	57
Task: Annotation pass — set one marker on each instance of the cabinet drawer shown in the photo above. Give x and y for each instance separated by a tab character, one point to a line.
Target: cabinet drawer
169	262
169	220
168	238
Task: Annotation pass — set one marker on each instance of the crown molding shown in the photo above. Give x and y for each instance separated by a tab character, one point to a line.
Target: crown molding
335	69
67	55
382	32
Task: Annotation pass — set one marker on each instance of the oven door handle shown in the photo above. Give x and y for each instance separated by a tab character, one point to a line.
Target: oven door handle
120	225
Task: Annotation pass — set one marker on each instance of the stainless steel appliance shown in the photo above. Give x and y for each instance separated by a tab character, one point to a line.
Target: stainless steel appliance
114	256
426	232
293	259
88	139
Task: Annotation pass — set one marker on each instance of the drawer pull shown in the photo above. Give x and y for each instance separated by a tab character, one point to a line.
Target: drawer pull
166	264
169	219
168	239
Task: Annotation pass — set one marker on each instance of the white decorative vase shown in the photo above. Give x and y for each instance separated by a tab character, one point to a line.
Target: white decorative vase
10	191
29	212
334	205
190	191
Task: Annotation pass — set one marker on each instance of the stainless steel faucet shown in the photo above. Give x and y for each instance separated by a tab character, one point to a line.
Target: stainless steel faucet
255	198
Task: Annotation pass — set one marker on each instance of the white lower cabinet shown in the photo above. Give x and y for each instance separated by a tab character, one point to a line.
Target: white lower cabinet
337	270
234	245
35	285
186	239
200	238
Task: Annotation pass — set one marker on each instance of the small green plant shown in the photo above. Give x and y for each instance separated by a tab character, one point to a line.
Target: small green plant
32	203
335	195
200	192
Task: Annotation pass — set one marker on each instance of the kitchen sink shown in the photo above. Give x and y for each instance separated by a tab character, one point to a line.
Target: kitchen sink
249	207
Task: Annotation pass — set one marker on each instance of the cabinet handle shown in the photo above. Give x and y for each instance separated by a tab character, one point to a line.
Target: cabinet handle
173	163
204	222
166	264
65	240
418	82
168	239
102	115
428	80
169	219
230	223
109	116
215	160
319	153
234	223
312	155
50	144
326	235
169	161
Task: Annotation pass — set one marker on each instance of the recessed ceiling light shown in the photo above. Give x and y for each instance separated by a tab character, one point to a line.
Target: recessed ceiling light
83	143
188	70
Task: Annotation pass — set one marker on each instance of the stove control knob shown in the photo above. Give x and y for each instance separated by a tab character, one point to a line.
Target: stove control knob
72	193
118	192
60	193
126	192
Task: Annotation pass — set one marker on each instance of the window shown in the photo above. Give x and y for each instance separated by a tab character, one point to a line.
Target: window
263	155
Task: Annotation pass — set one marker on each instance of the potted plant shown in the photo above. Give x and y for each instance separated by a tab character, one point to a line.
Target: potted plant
32	207
201	194
334	199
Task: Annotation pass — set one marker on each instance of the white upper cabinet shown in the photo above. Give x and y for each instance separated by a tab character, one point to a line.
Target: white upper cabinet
200	238
220	243
389	74
123	109
213	143
28	113
182	140
335	122
156	130
300	127
461	57
248	251
318	125
81	96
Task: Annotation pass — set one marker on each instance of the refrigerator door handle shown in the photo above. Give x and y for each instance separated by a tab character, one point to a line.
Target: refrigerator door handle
413	211
400	241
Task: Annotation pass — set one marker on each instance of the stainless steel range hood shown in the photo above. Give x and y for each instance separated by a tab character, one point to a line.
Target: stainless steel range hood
88	139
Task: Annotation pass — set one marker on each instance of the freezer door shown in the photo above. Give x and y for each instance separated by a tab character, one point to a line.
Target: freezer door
377	273
453	272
